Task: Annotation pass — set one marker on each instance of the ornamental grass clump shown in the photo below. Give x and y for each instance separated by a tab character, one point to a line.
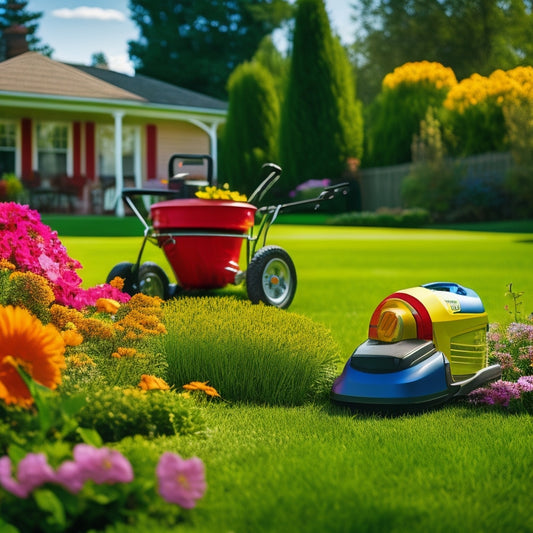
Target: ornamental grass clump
248	353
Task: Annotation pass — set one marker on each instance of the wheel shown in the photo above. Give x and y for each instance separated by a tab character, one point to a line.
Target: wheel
271	277
153	280
125	271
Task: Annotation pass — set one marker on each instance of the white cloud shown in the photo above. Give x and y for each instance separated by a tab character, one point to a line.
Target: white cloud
89	13
121	63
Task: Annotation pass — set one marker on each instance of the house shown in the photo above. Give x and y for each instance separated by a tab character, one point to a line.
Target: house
90	125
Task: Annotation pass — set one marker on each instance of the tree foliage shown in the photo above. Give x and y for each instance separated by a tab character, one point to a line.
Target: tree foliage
321	124
467	35
196	44
250	134
14	14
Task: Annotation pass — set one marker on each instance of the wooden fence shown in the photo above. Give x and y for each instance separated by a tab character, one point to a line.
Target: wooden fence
382	186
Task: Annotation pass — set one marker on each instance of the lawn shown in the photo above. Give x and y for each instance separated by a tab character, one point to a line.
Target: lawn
321	468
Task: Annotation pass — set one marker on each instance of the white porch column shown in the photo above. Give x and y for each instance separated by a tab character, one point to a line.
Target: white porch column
211	130
119	171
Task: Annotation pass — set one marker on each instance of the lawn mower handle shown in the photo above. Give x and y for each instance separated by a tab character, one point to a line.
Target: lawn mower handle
328	193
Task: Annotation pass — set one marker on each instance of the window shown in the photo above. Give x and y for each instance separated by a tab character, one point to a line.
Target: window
106	150
52	148
8	145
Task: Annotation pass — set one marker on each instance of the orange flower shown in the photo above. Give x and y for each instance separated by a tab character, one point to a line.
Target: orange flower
124	352
153	383
38	349
72	337
203	386
117	282
107	305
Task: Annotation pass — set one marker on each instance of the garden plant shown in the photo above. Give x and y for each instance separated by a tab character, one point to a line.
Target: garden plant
207	413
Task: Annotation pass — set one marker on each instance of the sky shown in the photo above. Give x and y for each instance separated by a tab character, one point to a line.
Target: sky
76	29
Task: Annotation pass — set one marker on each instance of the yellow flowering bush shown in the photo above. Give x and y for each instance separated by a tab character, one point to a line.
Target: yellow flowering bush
224	193
477	105
421	72
407	94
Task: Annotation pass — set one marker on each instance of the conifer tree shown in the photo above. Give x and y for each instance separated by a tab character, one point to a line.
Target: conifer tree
250	133
321	125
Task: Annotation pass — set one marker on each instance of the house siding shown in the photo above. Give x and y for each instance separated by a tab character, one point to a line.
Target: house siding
181	138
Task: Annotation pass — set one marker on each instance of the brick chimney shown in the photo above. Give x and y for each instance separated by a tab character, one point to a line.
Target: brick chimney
15	41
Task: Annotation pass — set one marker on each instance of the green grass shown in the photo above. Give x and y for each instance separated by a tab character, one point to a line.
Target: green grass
319	468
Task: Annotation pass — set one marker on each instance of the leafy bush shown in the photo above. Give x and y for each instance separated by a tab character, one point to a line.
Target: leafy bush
117	413
383	217
249	353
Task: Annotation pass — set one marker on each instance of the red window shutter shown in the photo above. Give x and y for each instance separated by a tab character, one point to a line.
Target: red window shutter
151	151
76	148
26	159
90	153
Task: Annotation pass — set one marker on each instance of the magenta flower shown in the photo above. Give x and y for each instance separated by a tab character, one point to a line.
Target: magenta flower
181	481
102	465
33	247
32	472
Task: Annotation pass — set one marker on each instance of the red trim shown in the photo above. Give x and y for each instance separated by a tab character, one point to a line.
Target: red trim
76	148
151	152
26	160
90	153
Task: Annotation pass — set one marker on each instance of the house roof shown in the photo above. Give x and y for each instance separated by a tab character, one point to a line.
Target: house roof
34	73
153	90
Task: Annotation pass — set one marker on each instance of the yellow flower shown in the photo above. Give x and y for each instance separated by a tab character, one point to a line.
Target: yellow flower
6	265
107	305
80	360
213	193
38	349
149	382
203	386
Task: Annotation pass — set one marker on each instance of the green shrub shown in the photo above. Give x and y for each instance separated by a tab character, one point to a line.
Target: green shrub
383	217
116	413
248	353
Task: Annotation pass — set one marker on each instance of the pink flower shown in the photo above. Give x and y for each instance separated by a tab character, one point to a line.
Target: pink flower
181	481
32	472
102	465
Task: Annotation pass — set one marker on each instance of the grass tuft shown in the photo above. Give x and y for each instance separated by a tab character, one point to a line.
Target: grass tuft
248	353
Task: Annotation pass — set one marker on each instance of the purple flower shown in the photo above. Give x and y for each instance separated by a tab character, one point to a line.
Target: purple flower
32	472
68	475
519	332
181	481
525	383
498	393
102	465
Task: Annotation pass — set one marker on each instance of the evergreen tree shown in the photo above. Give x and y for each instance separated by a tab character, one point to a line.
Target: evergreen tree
250	133
196	44
275	62
321	124
13	14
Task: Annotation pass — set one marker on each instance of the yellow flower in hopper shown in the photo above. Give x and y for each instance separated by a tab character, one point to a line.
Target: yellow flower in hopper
38	349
